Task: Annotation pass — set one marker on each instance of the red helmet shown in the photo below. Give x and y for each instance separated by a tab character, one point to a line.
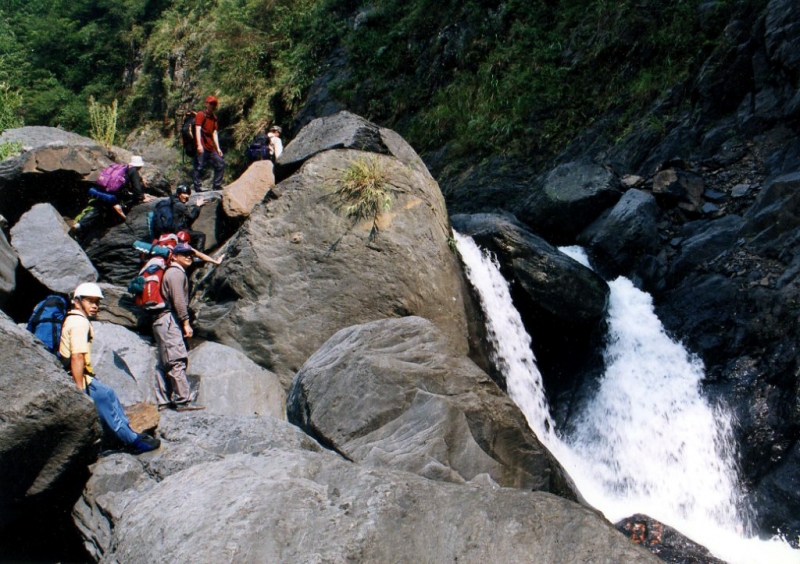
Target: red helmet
183	237
212	100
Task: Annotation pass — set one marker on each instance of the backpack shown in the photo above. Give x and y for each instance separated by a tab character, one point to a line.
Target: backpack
187	134
188	139
46	321
146	286
258	150
162	220
112	177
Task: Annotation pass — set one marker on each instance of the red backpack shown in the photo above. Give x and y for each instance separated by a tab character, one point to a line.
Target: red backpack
112	177
146	287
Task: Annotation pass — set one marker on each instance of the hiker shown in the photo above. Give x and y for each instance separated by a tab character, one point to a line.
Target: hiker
266	147
170	327
184	215
129	194
75	350
185	237
208	150
275	143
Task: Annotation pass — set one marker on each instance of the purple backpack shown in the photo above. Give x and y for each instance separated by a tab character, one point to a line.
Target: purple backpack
112	177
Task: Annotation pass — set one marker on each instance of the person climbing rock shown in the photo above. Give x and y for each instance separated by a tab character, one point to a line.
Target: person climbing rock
170	327
75	351
208	149
120	200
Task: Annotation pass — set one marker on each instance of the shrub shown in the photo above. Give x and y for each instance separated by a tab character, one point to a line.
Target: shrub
363	192
103	120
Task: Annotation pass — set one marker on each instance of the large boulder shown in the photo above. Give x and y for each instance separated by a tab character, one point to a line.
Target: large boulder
48	252
345	130
47	427
571	197
553	281
8	269
300	506
232	384
299	269
56	166
390	393
186	440
125	361
240	196
624	235
561	302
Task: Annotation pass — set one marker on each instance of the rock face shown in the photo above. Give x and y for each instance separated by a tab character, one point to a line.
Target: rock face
568	200
46	251
47	427
232	384
57	167
664	541
240	196
389	393
298	271
125	361
356	514
8	269
347	131
553	281
187	440
625	235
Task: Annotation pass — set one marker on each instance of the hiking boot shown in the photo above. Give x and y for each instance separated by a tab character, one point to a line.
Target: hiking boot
188	407
145	443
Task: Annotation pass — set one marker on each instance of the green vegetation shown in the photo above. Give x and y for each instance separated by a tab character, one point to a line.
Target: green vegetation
10	117
363	192
511	76
103	121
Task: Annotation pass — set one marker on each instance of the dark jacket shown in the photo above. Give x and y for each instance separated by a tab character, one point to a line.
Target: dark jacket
183	215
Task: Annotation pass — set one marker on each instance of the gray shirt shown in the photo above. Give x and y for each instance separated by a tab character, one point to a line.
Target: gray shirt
175	287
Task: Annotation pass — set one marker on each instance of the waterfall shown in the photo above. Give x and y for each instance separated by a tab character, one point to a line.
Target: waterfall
648	441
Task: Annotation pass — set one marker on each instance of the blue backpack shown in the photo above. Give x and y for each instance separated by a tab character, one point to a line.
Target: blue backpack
258	150
161	220
46	321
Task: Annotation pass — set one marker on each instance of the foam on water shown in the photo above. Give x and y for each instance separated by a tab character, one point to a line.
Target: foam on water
647	441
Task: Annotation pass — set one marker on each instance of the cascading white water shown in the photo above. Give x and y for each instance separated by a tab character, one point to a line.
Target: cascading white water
648	442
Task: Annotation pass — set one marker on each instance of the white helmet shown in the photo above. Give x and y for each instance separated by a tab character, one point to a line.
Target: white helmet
87	290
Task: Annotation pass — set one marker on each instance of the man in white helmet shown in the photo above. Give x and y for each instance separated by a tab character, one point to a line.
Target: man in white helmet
76	355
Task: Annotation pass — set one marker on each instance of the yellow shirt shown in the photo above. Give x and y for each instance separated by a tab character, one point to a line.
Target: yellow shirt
76	338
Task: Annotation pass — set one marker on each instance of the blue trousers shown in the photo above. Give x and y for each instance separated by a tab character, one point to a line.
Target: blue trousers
110	411
200	161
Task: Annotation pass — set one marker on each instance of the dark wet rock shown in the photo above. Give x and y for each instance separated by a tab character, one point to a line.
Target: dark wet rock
552	280
496	185
48	252
561	302
664	541
420	408
571	196
620	238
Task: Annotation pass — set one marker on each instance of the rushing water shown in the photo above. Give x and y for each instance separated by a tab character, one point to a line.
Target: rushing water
648	441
